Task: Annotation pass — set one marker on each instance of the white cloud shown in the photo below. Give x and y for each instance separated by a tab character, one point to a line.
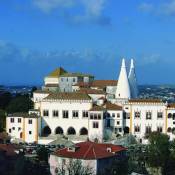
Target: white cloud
85	11
162	8
49	5
146	7
168	8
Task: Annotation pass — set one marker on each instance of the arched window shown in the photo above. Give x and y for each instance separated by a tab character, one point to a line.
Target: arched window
46	131
83	131
169	129
59	130
71	131
169	115
126	130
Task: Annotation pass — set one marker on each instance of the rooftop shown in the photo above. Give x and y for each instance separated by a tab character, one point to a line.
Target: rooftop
57	73
9	149
91	91
90	151
75	75
112	107
23	115
97	108
42	91
98	83
68	96
145	101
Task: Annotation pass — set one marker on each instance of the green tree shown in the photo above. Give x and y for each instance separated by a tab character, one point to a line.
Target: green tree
158	151
34	88
2	120
5	98
74	167
43	154
20	103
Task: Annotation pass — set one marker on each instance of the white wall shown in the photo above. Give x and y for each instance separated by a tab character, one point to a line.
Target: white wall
64	123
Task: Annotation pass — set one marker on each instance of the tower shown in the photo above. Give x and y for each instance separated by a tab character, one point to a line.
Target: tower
133	80
123	89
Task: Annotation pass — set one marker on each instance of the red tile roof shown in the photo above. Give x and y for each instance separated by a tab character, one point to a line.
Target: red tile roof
104	83
90	150
9	149
97	108
98	83
171	105
112	107
145	101
91	91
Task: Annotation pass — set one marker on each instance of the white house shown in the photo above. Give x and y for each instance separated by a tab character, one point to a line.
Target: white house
93	156
23	126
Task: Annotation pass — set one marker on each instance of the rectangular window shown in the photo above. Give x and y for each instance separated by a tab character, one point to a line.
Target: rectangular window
118	115
160	115
55	113
159	129
10	130
137	129
19	129
65	114
30	132
148	115
75	114
95	116
137	114
126	115
12	120
85	114
45	113
74	80
19	120
91	116
95	125
118	122
148	129
30	121
13	128
120	129
99	116
113	115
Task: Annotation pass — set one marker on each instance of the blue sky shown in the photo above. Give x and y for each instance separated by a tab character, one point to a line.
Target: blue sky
90	36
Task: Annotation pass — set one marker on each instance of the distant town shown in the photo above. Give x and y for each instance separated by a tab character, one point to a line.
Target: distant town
164	92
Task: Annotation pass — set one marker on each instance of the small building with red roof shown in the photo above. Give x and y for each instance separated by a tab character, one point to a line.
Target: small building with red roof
96	156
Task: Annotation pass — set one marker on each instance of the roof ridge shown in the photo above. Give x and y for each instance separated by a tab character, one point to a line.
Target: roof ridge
87	151
94	153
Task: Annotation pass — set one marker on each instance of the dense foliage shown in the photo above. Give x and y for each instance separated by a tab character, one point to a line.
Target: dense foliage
12	104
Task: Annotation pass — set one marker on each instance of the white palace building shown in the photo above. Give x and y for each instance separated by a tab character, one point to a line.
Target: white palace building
79	107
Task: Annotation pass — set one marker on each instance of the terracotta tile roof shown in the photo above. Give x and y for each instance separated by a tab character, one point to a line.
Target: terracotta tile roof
98	83
90	151
97	108
41	91
4	136
104	83
171	105
51	85
145	101
91	91
68	96
112	107
82	84
57	73
23	115
9	149
77	74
